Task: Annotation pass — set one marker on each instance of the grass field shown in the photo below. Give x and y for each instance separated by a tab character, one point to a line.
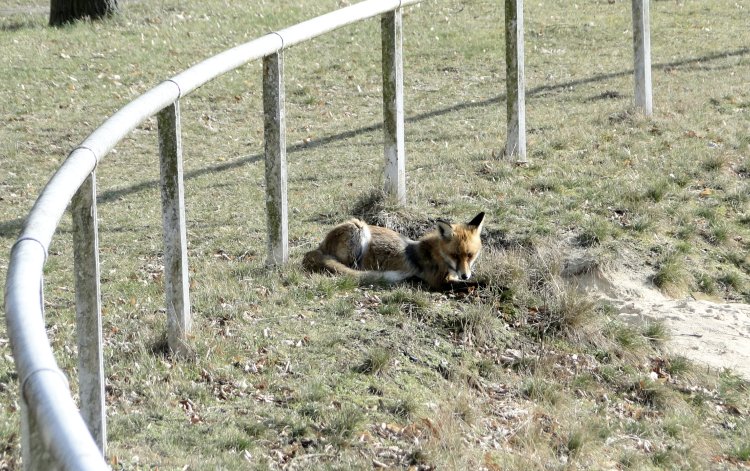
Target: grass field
293	371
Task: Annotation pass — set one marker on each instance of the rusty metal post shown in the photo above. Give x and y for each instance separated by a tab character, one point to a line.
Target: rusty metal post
274	132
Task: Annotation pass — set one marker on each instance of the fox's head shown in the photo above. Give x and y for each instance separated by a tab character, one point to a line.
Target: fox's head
460	246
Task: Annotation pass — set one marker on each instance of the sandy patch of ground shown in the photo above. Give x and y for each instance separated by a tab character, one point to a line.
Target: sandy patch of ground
716	334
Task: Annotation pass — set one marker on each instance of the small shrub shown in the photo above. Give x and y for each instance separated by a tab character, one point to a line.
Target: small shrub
564	311
650	393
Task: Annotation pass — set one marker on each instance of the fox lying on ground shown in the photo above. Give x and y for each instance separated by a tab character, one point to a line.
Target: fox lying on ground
443	258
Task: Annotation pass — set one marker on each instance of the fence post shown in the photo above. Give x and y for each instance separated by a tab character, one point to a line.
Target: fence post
88	311
515	80
393	105
274	133
642	56
34	454
175	233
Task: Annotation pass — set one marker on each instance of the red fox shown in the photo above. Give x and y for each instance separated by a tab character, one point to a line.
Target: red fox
442	258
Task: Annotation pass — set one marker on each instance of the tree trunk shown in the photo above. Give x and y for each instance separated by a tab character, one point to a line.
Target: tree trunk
66	11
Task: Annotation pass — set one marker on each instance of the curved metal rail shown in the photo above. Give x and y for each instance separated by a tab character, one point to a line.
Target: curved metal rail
54	434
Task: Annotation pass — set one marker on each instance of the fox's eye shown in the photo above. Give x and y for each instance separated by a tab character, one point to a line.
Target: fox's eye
470	255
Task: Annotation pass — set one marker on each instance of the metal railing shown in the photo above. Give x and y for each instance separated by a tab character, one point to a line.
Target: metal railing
54	434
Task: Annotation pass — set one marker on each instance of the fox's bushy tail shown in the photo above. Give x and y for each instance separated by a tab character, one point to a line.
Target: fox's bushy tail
317	261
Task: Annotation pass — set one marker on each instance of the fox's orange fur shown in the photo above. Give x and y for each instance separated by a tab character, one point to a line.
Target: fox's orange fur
373	254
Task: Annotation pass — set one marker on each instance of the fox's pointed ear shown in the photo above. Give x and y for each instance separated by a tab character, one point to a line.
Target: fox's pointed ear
477	222
445	229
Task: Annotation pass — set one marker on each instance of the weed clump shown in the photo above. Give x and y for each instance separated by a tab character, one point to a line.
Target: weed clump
672	276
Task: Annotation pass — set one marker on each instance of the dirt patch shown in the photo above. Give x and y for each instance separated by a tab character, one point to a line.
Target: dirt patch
713	333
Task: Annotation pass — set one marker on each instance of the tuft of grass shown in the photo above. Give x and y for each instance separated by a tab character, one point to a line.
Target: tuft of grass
642	222
714	162
376	361
476	324
672	276
679	365
718	232
404	409
566	311
342	423
656	332
575	442
594	233
657	190
740	452
625	336
705	283
540	390
408	302
732	279
651	393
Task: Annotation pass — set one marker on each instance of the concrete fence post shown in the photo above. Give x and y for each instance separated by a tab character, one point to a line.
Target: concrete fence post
176	273
88	311
393	105
34	453
642	56
515	81
274	132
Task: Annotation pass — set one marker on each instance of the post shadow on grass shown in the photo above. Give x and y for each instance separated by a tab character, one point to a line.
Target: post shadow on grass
12	227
